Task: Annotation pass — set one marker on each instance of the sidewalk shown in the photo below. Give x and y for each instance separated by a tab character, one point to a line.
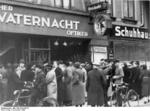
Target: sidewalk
141	104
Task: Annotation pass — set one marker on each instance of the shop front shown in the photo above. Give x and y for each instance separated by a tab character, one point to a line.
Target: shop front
39	35
130	43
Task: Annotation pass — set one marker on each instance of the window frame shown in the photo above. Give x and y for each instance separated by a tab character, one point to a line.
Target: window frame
63	5
58	6
128	10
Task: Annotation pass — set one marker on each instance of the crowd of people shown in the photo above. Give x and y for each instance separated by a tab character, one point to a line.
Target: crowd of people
73	83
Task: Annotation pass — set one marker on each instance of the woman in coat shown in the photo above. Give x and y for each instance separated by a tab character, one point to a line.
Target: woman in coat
52	82
78	92
145	76
96	82
67	84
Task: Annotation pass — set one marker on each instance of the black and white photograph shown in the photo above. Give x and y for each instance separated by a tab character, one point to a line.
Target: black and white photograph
74	53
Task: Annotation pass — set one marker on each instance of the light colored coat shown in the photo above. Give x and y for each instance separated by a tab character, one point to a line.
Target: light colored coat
52	84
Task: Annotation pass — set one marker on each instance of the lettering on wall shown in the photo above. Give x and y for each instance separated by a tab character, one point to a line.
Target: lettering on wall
132	32
8	16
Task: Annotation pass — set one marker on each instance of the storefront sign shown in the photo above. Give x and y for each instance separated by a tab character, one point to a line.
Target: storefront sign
8	15
98	6
131	32
99	49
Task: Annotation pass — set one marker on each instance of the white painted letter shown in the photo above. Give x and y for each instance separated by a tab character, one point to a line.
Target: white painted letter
76	24
36	20
45	21
55	24
117	29
61	24
11	19
27	20
18	17
3	17
69	25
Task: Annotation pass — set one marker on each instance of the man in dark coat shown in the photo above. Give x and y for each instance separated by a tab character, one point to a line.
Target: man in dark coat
136	82
28	74
127	74
14	82
39	90
96	82
3	84
59	75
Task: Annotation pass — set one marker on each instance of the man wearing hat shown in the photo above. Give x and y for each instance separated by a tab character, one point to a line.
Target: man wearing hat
96	82
39	90
20	68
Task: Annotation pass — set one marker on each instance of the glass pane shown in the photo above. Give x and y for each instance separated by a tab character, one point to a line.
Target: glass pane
66	4
94	1
125	8
48	2
78	4
38	57
58	3
131	8
39	43
24	0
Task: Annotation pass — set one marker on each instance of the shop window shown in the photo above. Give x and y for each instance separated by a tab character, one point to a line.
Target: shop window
28	1
128	8
66	4
46	2
58	3
97	1
39	43
78	5
98	53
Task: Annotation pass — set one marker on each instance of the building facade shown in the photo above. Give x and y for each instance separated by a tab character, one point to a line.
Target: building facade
128	38
47	30
44	30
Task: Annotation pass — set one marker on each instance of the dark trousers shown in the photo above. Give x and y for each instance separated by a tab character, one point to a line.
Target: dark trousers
35	97
3	92
137	87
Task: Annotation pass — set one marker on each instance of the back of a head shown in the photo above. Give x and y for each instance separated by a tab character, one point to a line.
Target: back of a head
131	62
22	61
9	65
66	63
39	66
137	63
125	64
77	65
144	67
116	61
15	65
60	62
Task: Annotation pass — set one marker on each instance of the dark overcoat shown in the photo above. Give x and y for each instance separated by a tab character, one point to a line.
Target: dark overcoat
59	75
96	82
78	94
145	76
67	85
27	75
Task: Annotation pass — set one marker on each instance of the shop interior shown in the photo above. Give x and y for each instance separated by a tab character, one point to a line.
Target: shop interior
39	49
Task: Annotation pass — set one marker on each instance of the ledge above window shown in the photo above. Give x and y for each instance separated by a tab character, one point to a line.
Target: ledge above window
129	20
